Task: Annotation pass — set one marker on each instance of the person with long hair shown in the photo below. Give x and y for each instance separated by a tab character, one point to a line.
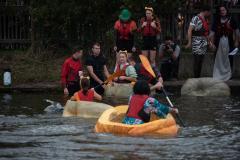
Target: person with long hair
129	73
141	105
149	28
86	93
223	32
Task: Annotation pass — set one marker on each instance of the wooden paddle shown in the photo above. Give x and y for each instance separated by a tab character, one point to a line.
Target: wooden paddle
148	67
111	77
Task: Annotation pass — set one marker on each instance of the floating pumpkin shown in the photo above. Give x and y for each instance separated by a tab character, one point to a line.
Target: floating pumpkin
111	122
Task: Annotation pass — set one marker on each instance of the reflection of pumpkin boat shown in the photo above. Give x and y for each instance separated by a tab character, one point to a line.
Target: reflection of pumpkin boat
84	109
110	122
123	90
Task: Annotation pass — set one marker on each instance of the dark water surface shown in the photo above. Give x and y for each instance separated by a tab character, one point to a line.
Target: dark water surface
27	133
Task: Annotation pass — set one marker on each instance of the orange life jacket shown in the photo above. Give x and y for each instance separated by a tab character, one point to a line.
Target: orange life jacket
79	96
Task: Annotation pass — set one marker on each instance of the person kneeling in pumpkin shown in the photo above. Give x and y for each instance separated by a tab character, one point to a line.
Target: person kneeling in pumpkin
141	105
86	93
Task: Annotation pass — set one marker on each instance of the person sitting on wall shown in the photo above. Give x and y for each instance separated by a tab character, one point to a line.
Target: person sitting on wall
141	105
169	58
70	72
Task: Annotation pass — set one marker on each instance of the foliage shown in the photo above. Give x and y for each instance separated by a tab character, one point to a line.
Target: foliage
62	24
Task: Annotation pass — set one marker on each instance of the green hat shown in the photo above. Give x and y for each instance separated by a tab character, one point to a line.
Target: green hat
125	15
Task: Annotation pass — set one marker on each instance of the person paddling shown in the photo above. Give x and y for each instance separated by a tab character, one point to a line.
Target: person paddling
143	74
86	93
70	72
150	27
141	105
129	73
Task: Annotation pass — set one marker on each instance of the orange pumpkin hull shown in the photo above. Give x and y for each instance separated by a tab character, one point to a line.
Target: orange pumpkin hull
110	122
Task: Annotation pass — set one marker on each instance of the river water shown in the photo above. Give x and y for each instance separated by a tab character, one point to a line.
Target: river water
27	133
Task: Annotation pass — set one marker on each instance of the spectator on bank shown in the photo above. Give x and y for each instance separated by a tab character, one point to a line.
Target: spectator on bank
198	32
223	31
150	27
125	28
97	69
169	59
70	72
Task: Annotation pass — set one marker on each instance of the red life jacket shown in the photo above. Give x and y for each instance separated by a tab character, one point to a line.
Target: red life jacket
143	72
205	26
79	96
224	28
125	29
148	30
118	69
136	105
70	71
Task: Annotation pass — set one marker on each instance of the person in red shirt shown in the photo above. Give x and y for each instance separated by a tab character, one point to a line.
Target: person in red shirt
150	27
71	70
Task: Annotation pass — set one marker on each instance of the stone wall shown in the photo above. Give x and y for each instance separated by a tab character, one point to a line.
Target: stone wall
186	66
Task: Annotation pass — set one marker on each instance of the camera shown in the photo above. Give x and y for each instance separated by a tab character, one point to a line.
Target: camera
166	47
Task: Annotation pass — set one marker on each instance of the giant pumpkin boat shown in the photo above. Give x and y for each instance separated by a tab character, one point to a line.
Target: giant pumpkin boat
111	122
84	109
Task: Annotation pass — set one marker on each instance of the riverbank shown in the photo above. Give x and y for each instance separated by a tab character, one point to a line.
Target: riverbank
175	86
41	73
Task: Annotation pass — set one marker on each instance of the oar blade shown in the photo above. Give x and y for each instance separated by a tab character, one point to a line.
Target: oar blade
114	75
147	65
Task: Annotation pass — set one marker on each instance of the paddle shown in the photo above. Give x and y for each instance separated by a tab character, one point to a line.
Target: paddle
110	78
148	67
171	105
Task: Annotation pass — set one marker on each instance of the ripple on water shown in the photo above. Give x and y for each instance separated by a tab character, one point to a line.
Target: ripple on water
212	132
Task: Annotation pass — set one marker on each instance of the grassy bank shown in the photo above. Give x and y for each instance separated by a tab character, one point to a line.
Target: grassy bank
28	68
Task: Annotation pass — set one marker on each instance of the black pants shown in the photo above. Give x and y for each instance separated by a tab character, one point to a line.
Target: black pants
169	69
124	45
197	65
73	87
